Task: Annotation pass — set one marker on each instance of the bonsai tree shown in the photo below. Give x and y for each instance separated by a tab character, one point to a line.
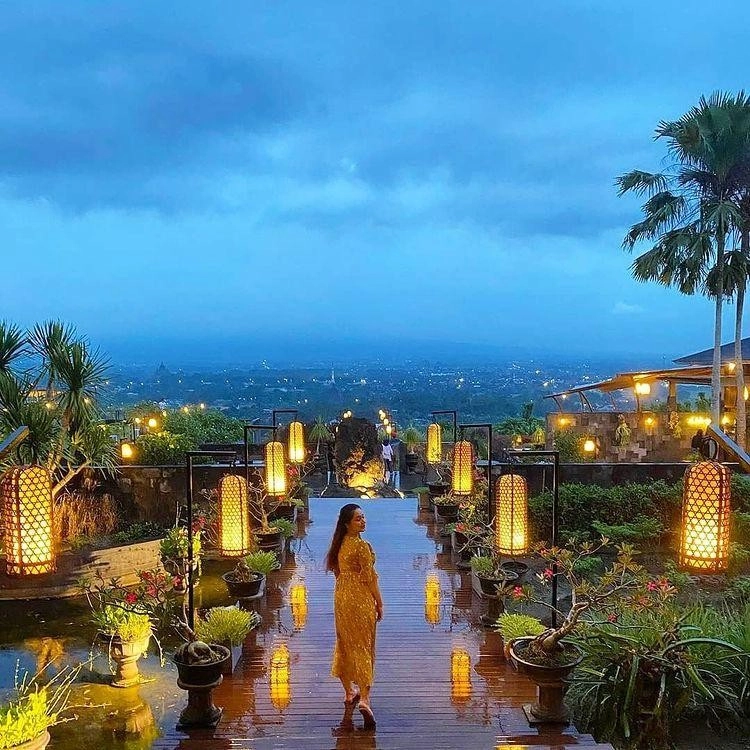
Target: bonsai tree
625	584
50	378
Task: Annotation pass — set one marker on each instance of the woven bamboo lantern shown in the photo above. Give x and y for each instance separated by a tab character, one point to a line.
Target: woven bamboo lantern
434	443
511	515
704	547
26	493
234	516
463	468
278	680
296	443
432	599
275	469
298	605
460	675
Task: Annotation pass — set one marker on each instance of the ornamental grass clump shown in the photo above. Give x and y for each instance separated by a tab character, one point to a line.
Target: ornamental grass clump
226	625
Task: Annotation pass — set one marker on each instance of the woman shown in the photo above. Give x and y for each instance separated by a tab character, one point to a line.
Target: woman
357	606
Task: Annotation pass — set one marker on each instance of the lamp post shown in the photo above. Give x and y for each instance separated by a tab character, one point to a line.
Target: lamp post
246	428
455	419
487	426
555	455
189	456
295	437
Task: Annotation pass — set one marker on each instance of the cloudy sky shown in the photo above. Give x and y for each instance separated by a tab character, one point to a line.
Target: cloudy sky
439	171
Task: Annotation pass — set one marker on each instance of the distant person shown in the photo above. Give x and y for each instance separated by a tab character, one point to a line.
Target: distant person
387	456
697	442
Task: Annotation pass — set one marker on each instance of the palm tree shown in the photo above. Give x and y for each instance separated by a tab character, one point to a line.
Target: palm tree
692	207
65	431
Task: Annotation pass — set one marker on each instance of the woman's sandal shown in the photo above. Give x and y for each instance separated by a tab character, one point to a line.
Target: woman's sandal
353	702
368	716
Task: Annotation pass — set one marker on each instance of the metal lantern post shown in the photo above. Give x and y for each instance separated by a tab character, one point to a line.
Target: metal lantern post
555	455
486	426
454	413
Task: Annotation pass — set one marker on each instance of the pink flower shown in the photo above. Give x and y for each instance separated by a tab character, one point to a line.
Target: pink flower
131	597
517	592
177	582
612	618
652	586
547	574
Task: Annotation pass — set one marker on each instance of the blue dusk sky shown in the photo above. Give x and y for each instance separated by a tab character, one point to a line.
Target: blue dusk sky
192	174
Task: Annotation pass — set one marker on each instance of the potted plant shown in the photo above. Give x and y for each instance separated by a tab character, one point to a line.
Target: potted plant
440	485
126	635
287	529
411	437
446	507
518	567
26	718
174	554
490	574
512	625
246	580
227	626
550	657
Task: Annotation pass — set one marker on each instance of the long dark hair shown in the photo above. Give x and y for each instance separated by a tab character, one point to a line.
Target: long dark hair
345	516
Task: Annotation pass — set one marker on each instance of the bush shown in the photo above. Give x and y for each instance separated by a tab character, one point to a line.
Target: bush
226	625
204	426
636	532
163	448
262	562
116	621
582	504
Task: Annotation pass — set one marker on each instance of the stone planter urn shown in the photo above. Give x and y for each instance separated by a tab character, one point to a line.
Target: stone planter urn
125	655
551	682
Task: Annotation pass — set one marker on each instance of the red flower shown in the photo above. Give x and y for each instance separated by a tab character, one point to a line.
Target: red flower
177	582
547	574
612	618
652	586
131	597
517	592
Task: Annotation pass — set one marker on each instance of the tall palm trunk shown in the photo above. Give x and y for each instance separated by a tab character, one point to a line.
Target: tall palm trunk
716	366
741	411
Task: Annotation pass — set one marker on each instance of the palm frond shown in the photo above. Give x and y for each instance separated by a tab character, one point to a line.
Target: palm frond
12	344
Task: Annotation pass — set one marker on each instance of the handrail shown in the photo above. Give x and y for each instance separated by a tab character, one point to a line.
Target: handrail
730	447
13	440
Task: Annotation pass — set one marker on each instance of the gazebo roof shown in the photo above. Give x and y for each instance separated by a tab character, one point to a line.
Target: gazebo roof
707	355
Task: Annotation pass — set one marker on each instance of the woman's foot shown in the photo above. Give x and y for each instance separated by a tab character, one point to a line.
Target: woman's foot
351	699
367	715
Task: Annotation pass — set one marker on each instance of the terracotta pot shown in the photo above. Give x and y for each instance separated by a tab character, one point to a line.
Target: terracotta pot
551	682
125	655
203	674
243	589
38	743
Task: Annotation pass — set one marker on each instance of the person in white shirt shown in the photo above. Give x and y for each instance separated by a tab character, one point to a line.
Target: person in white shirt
387	456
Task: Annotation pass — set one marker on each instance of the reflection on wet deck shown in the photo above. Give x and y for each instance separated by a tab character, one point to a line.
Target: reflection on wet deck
440	682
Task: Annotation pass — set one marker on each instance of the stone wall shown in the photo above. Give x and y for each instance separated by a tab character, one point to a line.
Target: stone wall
652	438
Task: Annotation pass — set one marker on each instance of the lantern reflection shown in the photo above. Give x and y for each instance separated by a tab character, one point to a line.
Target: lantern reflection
460	675
278	681
298	605
432	599
704	547
26	493
234	516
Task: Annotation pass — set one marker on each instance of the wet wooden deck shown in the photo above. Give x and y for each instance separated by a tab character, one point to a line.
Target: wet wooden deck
415	701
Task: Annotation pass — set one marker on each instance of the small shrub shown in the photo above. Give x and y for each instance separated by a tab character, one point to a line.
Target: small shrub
637	531
588	566
739	588
136	532
741	492
512	625
483	566
226	625
285	526
117	621
262	562
678	578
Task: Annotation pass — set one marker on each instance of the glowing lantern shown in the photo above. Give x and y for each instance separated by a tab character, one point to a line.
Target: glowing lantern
463	468
460	675
26	493
297	443
731	366
706	509
511	515
589	446
726	420
234	516
126	451
434	443
281	693
432	599
642	389
153	423
388	429
275	469
298	605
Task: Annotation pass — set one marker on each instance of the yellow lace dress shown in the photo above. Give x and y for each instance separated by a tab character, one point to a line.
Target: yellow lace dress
354	613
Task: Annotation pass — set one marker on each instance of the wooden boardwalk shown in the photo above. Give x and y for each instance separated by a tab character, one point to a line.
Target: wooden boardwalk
416	703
